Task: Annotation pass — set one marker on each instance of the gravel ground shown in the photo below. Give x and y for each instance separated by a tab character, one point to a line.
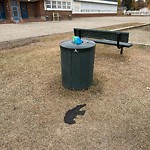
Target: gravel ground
27	30
33	102
140	35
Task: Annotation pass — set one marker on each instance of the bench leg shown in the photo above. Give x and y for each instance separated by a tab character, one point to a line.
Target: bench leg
121	52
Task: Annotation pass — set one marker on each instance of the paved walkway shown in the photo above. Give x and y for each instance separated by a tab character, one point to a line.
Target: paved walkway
18	31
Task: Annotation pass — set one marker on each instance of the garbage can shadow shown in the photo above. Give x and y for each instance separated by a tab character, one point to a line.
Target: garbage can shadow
77	64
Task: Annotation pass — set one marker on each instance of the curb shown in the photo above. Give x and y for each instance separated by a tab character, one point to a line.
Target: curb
140	44
130	27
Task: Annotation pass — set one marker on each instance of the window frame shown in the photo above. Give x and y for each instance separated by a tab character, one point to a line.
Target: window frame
59	5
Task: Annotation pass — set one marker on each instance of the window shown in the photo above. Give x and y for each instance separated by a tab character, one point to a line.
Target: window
48	4
58	4
15	11
54	4
68	5
64	5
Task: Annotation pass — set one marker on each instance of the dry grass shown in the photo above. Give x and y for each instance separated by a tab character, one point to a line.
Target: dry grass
33	102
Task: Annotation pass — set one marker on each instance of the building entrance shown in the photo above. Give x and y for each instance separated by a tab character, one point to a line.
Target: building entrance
24	11
2	13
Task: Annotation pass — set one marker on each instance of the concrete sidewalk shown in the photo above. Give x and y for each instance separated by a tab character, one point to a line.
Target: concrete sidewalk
19	31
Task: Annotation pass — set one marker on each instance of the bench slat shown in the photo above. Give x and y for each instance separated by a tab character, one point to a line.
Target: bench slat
109	42
101	34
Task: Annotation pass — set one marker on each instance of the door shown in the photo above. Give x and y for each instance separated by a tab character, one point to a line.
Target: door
15	10
15	13
2	14
24	11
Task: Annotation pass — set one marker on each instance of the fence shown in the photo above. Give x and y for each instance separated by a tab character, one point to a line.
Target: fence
140	13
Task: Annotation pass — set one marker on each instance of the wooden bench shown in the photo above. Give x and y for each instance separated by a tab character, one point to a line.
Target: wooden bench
56	16
115	38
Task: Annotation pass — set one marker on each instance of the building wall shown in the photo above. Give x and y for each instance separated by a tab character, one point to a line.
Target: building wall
36	9
78	15
64	13
94	8
7	9
40	9
32	9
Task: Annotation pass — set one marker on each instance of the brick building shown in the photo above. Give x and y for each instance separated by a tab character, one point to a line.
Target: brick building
19	10
34	10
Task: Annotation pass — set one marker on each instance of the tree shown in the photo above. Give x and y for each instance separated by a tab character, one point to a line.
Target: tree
127	3
138	4
134	5
119	3
141	4
148	3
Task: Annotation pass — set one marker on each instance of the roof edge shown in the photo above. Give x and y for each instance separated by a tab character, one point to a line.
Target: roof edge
98	1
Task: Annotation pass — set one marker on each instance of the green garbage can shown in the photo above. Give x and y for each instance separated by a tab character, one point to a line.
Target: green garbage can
77	62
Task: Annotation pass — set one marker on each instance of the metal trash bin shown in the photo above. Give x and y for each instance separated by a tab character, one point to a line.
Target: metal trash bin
77	63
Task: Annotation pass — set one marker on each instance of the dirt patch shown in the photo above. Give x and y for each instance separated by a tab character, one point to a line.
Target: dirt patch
33	102
17	43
